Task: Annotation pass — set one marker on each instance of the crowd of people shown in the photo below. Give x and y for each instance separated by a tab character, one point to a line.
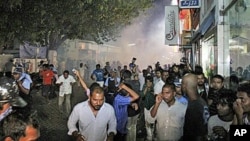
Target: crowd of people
178	104
174	104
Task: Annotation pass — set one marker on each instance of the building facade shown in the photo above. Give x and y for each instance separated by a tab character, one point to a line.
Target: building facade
221	40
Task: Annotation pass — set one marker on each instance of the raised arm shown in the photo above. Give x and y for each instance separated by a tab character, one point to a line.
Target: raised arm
154	110
84	85
134	96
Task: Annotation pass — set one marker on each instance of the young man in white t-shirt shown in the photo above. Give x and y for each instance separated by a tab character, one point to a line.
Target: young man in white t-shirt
219	124
65	81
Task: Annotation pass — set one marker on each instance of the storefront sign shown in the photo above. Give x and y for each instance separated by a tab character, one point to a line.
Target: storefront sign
189	3
171	25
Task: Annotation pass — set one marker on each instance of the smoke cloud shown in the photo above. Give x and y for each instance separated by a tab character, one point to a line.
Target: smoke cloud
144	39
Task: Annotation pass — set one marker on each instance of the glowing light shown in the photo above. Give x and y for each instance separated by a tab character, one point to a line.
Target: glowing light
174	2
132	44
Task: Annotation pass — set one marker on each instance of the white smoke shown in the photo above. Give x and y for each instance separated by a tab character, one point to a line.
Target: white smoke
144	40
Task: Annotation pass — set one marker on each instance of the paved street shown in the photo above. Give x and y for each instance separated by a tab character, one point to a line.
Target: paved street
53	126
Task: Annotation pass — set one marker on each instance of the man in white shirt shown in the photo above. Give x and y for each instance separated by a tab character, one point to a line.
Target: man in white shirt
158	82
169	113
65	81
96	119
219	124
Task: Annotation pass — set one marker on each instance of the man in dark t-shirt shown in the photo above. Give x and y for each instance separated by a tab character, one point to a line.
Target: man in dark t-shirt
197	114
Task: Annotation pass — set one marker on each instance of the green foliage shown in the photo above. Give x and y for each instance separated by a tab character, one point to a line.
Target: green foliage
50	22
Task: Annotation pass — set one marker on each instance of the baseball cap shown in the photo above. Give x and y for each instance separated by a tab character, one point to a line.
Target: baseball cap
18	70
177	84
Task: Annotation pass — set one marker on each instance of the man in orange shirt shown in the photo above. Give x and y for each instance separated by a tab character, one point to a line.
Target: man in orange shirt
47	76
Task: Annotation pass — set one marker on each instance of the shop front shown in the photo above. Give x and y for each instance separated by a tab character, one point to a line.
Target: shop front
239	39
223	39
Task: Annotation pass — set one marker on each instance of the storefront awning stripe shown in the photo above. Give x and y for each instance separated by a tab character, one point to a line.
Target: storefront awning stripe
208	22
204	27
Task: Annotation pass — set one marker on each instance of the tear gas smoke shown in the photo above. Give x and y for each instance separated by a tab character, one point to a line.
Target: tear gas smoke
144	39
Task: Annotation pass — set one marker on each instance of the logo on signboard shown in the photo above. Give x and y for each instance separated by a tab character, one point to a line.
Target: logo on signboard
172	30
171	25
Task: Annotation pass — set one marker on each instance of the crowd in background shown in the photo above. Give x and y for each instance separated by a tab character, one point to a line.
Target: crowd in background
176	103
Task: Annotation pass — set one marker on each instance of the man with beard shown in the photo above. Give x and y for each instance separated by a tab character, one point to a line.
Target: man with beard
217	84
169	114
96	119
202	86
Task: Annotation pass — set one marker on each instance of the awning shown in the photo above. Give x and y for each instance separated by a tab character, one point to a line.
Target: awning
205	25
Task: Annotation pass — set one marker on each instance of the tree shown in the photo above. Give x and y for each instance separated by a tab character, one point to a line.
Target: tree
51	22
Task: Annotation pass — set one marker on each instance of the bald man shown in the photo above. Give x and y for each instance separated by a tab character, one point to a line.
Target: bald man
197	114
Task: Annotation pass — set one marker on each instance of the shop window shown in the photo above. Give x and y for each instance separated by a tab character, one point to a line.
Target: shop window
239	41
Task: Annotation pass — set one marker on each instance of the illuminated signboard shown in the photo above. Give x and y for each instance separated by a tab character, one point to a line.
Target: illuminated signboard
189	3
